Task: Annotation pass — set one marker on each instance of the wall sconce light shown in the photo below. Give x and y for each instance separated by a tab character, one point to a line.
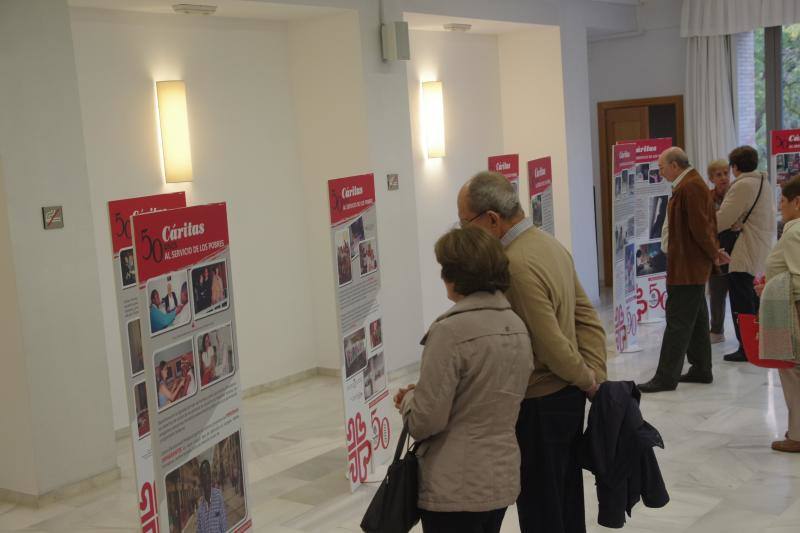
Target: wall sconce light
176	150
433	118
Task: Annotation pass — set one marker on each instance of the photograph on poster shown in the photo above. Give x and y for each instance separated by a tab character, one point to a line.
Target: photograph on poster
515	184
658	212
135	346
375	376
168	309
536	210
367	256
176	377
787	166
209	288
140	402
344	259
207	493
128	267
650	259
619	241
355	352
356	235
375	334
617	186
655	176
642	172
216	354
631	181
630	268
630	228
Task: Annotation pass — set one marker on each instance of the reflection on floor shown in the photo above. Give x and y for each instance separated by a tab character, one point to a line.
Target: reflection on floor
720	472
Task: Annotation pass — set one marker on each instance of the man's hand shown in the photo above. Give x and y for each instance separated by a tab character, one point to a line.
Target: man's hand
758	285
591	391
722	257
398	398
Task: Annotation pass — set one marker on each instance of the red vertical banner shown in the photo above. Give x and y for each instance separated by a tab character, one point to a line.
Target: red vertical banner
624	246
652	193
508	166
356	264
784	163
540	192
191	361
119	214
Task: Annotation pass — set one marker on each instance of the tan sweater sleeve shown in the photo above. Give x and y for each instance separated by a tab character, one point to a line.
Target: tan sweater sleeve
590	333
426	408
530	298
734	206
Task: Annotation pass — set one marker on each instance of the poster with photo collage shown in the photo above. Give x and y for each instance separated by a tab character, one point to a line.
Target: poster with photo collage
784	164
651	194
540	192
188	329
124	264
354	239
626	321
508	166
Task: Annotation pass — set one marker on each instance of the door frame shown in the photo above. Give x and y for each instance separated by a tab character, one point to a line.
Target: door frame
605	165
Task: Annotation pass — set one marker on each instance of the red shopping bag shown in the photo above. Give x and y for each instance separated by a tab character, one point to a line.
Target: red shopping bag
748	329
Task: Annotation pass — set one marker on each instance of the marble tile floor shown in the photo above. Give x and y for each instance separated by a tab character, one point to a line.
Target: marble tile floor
719	470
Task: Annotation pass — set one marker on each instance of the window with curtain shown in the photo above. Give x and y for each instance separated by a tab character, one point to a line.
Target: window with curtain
756	61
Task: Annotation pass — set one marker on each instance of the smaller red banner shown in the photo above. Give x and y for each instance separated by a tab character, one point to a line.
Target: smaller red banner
785	141
166	241
624	156
349	197
540	175
121	211
650	149
507	165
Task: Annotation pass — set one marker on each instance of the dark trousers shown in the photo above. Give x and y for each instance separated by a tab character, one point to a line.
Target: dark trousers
743	299
717	293
487	522
686	334
548	431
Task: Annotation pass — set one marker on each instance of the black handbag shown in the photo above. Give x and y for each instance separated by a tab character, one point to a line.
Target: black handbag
394	509
728	238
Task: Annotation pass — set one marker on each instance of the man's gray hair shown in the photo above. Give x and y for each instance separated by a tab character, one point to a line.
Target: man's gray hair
490	191
677	156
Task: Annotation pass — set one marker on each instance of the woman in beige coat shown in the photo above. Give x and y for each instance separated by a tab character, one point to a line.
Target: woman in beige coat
475	369
785	257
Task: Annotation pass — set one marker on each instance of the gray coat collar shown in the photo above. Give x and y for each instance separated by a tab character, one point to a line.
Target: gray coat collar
477	301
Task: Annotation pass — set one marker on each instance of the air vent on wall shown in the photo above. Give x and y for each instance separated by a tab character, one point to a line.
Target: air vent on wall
194	9
455	26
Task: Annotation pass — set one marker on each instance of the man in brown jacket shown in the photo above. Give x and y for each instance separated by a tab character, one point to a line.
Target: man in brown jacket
692	252
569	354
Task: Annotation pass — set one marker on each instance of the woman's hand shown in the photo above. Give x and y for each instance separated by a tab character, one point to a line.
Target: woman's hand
398	398
758	284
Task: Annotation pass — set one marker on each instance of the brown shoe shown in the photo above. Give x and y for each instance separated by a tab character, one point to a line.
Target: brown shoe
787	445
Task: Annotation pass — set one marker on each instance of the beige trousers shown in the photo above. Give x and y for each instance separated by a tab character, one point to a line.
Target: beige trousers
790	381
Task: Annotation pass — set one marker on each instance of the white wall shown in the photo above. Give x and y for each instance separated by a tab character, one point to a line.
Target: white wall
648	65
244	153
60	318
468	67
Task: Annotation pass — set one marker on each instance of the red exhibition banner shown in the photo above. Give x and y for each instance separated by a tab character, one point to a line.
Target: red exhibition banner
540	190
191	360
508	166
364	370
652	193
784	163
124	264
624	245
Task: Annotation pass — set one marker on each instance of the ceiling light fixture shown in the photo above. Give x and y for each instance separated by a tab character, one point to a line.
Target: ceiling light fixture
194	9
457	26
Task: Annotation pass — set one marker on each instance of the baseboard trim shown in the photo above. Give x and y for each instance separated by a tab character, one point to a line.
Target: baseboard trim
72	489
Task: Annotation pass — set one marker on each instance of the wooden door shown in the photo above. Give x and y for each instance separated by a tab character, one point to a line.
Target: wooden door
629	120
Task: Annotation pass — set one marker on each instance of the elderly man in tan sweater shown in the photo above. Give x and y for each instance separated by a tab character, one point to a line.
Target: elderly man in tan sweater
569	354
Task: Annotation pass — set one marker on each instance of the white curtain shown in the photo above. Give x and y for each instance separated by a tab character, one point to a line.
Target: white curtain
710	122
726	17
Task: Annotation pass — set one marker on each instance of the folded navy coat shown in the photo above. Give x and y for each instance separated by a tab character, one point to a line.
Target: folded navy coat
617	447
